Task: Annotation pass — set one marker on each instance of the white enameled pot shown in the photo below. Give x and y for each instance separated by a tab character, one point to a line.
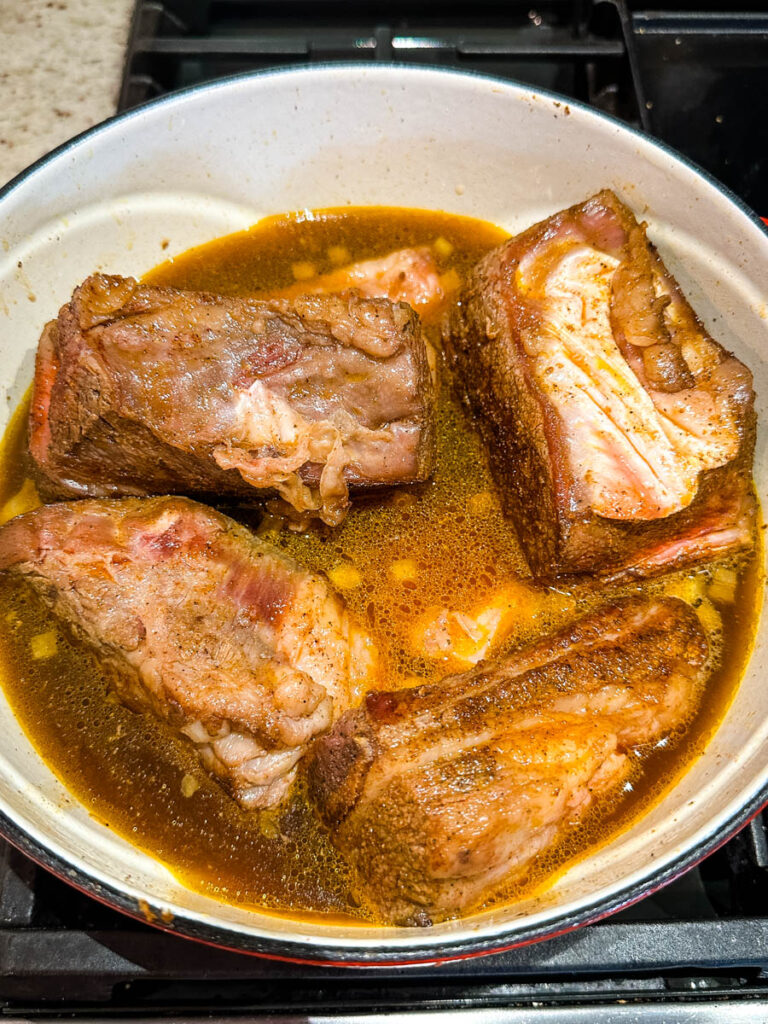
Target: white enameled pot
217	158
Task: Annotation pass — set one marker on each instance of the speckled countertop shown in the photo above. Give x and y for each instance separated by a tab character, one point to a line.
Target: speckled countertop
60	67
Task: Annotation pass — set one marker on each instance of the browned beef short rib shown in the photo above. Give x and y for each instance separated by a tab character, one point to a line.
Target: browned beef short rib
198	621
621	433
142	390
441	795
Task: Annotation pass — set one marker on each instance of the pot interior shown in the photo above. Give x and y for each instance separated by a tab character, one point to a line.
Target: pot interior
217	159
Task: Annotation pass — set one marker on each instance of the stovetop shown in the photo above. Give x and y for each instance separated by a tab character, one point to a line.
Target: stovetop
702	938
697	949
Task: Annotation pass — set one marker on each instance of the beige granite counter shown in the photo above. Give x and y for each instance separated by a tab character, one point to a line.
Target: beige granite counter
61	63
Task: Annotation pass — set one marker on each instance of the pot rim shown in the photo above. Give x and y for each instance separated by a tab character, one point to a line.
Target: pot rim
323	951
315	954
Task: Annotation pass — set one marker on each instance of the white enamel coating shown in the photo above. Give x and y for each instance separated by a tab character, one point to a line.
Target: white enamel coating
214	160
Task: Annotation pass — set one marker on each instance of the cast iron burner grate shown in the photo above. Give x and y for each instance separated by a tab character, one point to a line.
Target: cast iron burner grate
699	948
693	76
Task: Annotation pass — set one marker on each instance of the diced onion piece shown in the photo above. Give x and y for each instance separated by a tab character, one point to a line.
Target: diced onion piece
24	500
442	247
722	589
303	270
691	589
339	254
450	281
268	823
410	681
43	645
481	503
270	525
345	576
403	569
403	498
709	616
189	785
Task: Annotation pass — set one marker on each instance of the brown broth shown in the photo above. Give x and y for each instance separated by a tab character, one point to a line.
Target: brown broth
454	549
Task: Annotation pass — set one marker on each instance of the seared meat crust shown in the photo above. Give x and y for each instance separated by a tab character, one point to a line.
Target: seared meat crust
621	434
142	390
201	623
440	794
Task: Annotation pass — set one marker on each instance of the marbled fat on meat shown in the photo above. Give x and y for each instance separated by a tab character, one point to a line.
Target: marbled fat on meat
198	621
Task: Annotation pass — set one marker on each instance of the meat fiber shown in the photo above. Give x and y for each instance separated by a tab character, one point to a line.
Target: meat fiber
441	795
622	434
142	390
203	624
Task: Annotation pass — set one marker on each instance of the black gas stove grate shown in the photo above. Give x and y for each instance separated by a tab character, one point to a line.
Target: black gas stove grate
576	48
693	77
